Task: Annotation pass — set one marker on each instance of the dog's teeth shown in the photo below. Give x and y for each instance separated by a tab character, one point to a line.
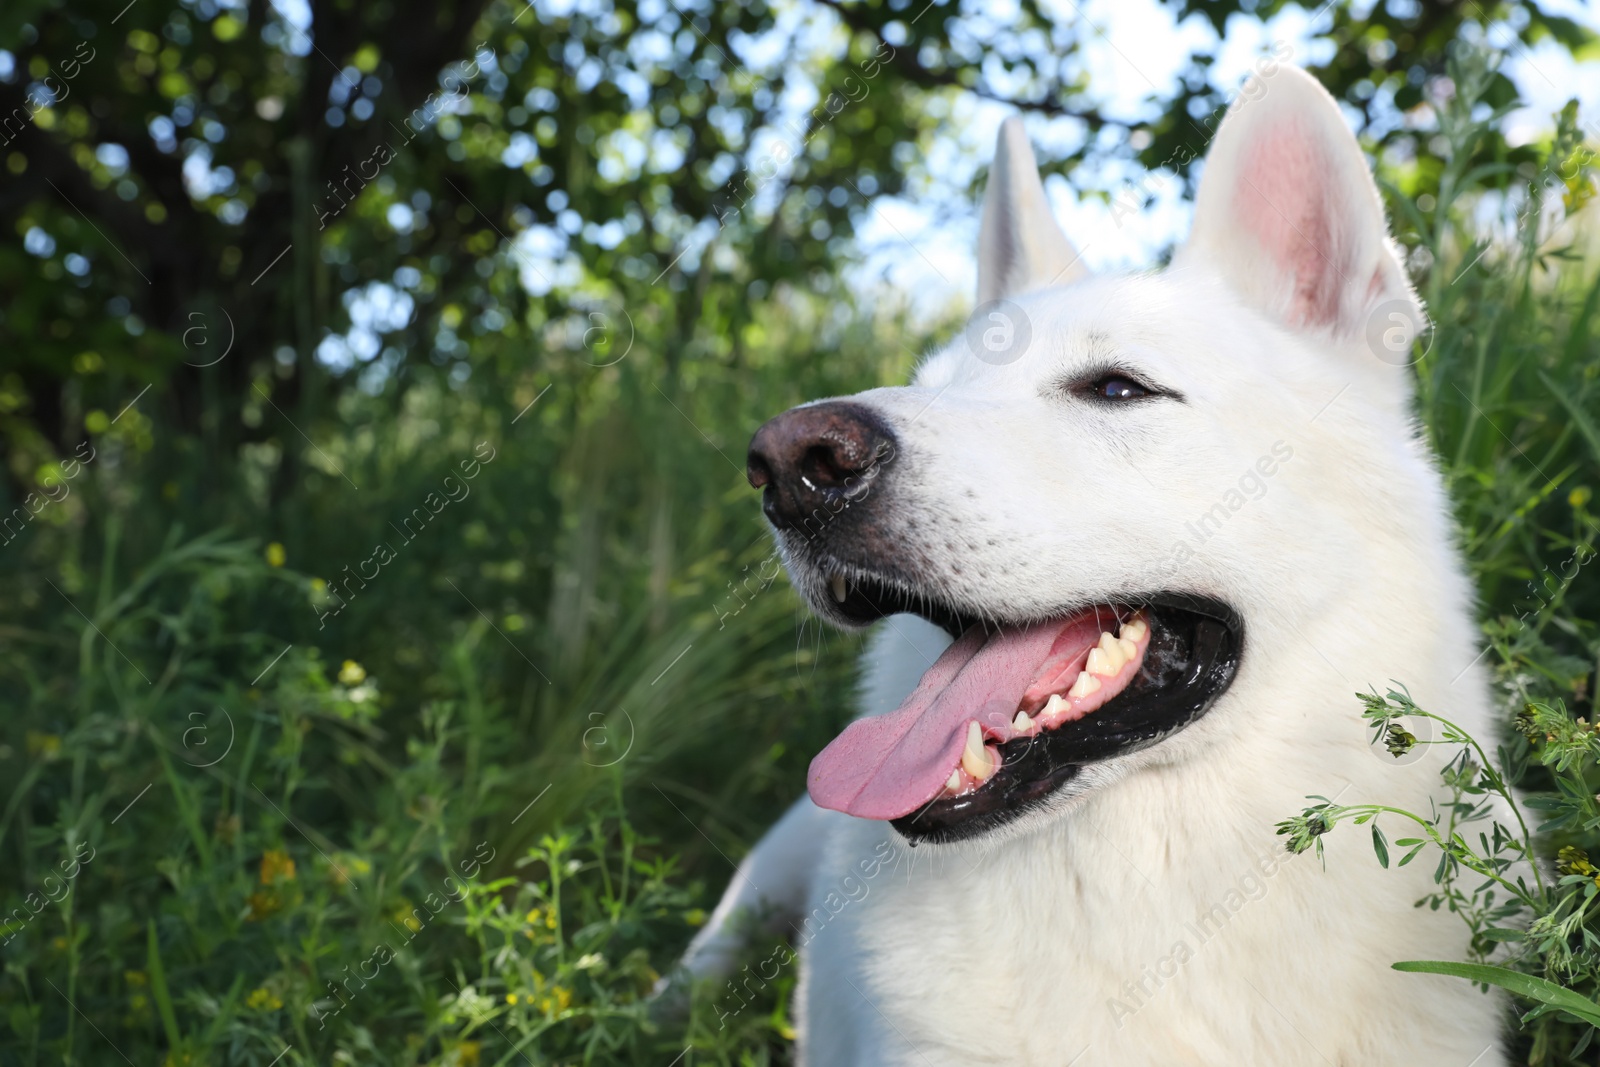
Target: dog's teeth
975	758
1022	722
953	783
1086	683
1099	663
1134	630
1055	704
1113	651
1129	649
840	590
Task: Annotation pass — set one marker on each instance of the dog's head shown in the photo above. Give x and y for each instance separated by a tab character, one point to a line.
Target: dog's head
1070	489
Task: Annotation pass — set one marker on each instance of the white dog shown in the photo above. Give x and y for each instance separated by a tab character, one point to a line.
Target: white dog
1174	522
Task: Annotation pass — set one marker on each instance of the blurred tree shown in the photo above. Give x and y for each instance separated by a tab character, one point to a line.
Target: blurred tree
234	175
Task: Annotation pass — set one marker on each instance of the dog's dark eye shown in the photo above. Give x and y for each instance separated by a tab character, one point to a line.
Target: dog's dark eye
1109	385
1117	387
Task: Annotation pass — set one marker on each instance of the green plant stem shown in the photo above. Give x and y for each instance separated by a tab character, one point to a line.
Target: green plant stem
1465	855
1502	789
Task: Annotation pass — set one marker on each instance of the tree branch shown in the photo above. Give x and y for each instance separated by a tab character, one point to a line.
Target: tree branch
914	72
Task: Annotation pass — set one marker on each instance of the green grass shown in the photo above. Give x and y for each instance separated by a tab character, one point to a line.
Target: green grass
572	679
474	816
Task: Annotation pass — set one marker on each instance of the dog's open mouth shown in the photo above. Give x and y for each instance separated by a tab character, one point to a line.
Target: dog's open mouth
1011	713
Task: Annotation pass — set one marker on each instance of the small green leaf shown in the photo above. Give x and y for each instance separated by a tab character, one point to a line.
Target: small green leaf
1499	933
1380	846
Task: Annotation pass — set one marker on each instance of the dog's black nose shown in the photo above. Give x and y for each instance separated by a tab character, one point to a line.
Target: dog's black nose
816	457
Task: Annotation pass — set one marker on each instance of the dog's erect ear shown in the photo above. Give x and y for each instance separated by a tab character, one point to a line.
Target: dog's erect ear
1289	213
1020	247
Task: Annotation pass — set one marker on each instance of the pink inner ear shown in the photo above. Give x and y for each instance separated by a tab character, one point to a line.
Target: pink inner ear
1283	199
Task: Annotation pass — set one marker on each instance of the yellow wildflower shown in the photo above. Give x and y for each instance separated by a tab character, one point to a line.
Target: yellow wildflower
263	999
261	904
276	555
276	866
346	868
352	673
1574	860
405	914
556	1001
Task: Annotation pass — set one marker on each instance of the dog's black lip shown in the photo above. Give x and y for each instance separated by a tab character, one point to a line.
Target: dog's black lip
869	599
1033	768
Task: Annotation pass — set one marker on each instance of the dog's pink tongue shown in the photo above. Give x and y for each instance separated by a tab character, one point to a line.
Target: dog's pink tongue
890	765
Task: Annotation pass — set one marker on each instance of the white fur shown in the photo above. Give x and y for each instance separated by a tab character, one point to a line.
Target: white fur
1056	940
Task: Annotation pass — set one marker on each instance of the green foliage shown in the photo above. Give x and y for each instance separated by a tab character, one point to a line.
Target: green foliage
1502	857
1524	985
293	875
270	791
595	618
1553	929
